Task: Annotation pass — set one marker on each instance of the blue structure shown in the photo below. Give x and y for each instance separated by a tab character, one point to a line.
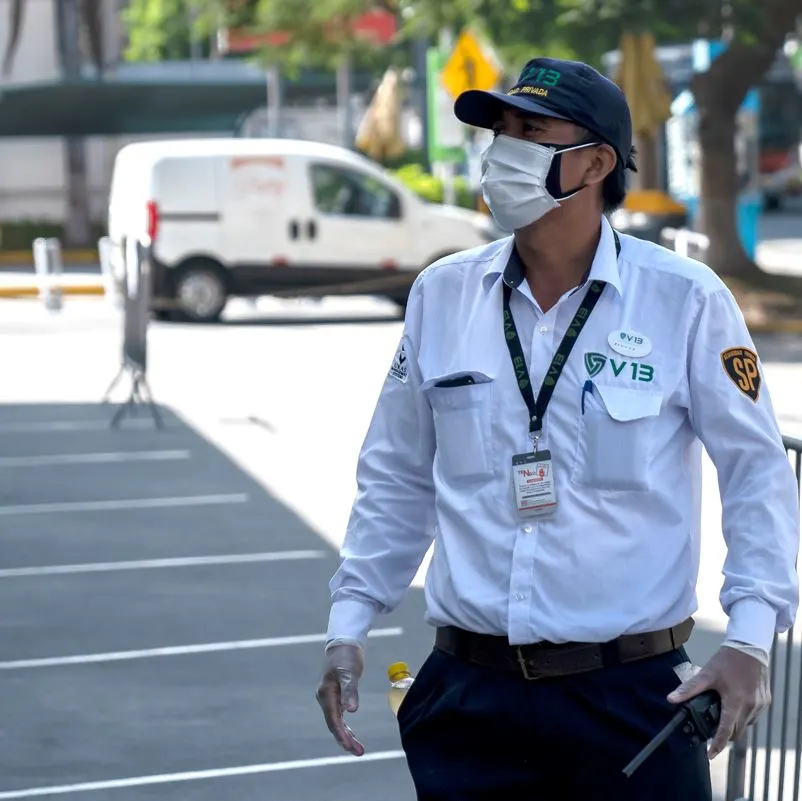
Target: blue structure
682	150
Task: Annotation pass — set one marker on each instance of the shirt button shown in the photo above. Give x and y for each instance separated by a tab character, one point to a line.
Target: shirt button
544	329
527	529
520	597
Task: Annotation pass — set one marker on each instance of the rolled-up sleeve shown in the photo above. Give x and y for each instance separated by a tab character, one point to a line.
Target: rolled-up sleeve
732	414
391	522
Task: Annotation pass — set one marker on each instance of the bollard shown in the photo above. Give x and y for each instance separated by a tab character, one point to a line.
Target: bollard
681	241
47	262
686	243
111	288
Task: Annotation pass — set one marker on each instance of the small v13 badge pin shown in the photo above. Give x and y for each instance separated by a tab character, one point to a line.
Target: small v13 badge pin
399	369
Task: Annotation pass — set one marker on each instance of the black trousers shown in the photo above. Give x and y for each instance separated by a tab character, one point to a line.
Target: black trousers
476	734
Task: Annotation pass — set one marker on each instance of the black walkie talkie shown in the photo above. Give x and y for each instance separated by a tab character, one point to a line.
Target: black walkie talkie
700	715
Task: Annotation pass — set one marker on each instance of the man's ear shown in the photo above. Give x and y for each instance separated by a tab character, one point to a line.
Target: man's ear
602	164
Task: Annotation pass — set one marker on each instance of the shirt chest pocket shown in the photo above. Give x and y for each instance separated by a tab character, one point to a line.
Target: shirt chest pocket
616	438
462	412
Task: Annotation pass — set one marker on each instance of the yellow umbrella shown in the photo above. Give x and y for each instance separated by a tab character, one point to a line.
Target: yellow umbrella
641	78
379	134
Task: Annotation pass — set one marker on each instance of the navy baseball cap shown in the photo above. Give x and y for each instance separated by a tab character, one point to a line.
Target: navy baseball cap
565	90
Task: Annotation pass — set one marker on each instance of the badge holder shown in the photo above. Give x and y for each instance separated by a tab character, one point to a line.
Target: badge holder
533	481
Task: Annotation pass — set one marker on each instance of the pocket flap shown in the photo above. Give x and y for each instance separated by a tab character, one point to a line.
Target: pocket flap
629	404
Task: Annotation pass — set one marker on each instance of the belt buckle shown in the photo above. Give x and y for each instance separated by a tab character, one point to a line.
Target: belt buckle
524	667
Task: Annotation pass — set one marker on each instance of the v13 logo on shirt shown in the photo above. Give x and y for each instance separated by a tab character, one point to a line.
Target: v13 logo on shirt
635	371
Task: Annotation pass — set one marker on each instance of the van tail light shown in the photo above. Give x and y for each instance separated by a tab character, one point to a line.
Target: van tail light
153	220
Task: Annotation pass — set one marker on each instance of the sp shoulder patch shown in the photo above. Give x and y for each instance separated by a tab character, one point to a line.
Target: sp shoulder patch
741	366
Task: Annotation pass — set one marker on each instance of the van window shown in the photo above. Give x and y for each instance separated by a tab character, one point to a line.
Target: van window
348	192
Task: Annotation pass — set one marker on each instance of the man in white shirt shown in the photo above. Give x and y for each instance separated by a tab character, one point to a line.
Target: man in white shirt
542	423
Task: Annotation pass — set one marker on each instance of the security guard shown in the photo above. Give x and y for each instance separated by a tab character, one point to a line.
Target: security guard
542	423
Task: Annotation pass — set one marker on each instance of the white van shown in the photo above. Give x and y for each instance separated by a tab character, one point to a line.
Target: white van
250	217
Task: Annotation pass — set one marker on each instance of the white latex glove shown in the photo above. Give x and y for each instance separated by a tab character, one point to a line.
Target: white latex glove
338	692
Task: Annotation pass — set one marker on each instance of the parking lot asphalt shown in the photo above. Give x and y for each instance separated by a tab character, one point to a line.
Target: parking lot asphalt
163	626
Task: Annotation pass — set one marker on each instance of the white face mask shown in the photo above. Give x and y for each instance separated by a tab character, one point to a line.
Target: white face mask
514	176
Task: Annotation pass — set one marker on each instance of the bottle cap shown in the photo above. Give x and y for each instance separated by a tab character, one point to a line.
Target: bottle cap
398	670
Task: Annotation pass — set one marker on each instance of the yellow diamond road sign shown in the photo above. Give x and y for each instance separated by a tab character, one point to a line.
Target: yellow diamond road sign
469	67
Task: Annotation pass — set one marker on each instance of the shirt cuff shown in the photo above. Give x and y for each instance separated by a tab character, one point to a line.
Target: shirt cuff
350	620
756	653
752	622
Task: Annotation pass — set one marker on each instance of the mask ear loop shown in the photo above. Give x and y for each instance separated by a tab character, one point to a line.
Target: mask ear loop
553	177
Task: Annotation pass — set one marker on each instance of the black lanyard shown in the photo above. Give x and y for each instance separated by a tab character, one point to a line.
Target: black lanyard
537	406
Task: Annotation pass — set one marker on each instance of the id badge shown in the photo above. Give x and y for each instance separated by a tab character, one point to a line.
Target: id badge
533	480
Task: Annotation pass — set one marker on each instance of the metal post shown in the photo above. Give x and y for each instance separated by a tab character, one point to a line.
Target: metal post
110	288
446	43
273	101
195	53
344	102
47	262
736	770
420	48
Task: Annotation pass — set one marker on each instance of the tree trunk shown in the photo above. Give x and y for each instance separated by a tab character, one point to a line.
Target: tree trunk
718	187
648	174
77	222
718	93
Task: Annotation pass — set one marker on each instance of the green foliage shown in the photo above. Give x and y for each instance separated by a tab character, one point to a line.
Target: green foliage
160	30
431	189
519	29
19	235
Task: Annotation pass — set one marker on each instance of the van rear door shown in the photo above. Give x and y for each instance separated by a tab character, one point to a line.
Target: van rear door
183	211
128	196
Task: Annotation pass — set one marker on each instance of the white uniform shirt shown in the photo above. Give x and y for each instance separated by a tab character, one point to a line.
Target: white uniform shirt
621	553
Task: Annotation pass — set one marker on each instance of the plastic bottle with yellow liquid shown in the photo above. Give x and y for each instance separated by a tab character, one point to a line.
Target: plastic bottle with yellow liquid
400	681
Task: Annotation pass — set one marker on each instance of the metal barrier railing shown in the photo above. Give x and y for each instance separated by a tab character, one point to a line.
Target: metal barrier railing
753	759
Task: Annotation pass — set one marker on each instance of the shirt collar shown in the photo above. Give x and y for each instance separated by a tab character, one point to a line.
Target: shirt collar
508	265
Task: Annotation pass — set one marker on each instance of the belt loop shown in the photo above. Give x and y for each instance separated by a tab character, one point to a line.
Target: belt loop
610	653
462	643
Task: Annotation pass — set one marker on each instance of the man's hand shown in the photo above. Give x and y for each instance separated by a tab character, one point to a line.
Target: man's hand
741	681
337	692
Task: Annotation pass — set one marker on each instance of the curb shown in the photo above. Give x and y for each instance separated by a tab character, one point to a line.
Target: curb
23	257
96	290
23	291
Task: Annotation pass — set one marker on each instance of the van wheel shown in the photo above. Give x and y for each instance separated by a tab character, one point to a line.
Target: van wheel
200	291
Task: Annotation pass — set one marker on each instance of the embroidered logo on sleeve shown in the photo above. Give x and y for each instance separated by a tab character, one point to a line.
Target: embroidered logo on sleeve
399	369
740	365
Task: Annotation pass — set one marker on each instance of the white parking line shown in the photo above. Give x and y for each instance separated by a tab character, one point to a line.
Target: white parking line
150	564
128	503
52	426
92	458
199	775
181	650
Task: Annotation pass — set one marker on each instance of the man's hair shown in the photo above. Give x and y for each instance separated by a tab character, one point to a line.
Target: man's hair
614	186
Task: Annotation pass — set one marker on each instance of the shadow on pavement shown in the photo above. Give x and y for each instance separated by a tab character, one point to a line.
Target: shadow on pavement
125	542
75	493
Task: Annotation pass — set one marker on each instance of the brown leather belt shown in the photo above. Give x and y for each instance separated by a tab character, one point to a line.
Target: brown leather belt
546	660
